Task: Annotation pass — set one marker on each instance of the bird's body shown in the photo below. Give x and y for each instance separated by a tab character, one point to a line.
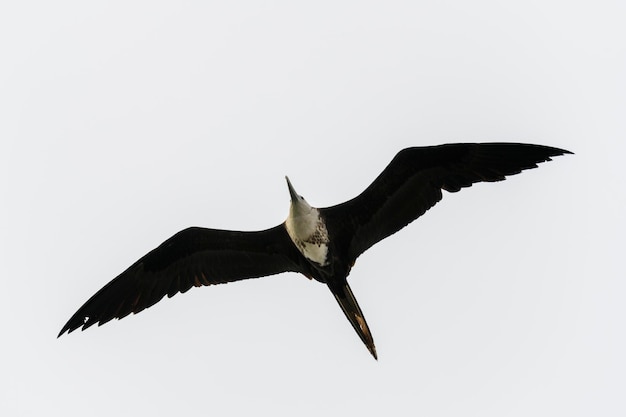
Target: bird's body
320	243
307	230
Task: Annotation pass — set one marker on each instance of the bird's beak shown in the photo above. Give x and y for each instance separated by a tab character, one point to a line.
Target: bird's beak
294	196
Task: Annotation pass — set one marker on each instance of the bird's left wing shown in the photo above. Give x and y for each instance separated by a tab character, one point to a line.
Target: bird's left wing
413	182
192	257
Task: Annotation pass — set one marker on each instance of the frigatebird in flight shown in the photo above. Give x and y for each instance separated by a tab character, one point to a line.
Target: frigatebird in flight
320	243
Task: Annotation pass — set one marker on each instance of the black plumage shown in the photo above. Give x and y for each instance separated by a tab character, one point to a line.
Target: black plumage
410	185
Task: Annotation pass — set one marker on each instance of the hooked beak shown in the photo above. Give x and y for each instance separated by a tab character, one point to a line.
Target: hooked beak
294	196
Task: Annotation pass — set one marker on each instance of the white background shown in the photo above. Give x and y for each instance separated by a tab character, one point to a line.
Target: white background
124	122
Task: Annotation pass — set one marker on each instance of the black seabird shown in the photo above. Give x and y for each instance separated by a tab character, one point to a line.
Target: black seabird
321	244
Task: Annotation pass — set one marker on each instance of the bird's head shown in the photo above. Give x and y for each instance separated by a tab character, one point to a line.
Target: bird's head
299	206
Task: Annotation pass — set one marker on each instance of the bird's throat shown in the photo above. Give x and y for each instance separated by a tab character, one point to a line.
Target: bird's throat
308	232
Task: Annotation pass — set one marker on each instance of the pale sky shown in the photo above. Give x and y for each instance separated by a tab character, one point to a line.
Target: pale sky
124	122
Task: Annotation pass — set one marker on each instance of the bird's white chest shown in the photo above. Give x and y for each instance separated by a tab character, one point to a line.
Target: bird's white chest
308	232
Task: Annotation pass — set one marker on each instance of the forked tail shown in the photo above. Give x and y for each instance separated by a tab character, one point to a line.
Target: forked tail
347	302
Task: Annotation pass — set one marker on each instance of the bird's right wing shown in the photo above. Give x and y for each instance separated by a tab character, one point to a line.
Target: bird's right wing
192	257
412	183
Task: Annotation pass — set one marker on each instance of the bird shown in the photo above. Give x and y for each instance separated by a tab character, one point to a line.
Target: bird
319	243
